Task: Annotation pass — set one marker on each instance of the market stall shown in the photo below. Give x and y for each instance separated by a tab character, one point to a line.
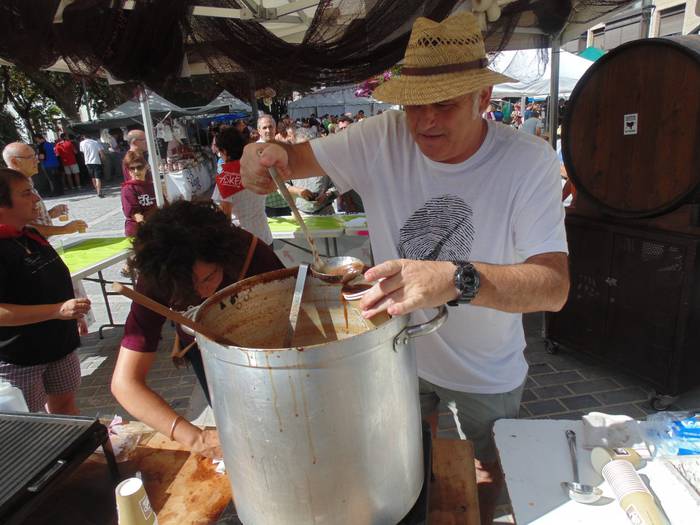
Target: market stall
335	101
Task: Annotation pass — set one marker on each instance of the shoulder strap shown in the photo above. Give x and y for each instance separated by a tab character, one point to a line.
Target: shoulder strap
248	257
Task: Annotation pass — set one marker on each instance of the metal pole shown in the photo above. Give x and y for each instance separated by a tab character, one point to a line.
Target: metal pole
153	156
553	110
645	25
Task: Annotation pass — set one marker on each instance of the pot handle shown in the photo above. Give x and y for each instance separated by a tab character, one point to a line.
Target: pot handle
191	312
421	329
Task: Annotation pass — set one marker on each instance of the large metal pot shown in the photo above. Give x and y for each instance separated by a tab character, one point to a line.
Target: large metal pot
327	431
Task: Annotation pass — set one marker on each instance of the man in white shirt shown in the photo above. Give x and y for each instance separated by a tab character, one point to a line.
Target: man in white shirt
22	157
461	211
94	155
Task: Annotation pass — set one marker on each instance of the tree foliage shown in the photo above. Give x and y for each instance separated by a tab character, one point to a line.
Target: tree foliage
41	98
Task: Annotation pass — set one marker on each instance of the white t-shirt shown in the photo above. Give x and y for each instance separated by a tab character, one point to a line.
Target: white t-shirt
249	209
500	206
91	150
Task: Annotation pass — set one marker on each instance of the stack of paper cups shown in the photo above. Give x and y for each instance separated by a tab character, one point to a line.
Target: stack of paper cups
133	507
633	495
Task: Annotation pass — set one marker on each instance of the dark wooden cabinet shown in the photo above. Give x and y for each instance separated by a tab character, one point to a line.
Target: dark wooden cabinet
634	301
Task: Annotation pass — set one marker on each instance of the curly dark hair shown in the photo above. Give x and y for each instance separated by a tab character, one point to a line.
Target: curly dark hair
167	245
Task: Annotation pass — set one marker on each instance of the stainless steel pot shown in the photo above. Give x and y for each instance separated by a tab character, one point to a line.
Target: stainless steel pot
327	431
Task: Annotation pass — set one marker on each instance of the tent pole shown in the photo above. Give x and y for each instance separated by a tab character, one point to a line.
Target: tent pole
553	110
151	143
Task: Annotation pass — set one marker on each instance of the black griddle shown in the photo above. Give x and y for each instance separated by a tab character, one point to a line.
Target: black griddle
39	450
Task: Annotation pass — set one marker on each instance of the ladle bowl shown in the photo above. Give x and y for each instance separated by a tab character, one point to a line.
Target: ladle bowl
339	269
582	493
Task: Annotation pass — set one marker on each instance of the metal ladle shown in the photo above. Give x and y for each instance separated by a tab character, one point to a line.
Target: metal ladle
577	491
331	269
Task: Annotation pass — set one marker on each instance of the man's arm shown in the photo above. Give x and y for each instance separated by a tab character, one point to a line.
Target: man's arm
20	314
293	161
541	283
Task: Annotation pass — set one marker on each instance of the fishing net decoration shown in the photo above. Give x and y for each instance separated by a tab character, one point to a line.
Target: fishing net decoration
347	40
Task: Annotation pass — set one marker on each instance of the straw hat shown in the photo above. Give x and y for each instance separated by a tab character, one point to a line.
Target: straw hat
443	60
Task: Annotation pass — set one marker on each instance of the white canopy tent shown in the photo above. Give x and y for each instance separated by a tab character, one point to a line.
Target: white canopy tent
527	65
334	101
224	102
131	109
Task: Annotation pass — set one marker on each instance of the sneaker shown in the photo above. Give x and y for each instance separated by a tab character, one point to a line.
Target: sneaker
101	195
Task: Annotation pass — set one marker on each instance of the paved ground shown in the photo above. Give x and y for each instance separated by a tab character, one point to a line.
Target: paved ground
562	386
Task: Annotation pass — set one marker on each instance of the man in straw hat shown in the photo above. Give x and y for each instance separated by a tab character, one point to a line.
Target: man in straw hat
461	211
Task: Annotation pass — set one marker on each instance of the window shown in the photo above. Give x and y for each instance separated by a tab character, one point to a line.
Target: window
671	20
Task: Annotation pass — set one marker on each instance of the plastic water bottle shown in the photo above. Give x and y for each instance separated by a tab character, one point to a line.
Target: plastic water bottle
674	433
11	398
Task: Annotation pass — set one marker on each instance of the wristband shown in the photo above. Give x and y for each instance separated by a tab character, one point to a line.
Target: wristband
172	427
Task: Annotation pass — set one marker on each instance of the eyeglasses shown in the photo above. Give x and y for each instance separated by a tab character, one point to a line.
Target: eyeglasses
32	156
137	168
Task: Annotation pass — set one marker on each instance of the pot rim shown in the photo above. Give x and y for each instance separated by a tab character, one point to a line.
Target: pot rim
255	280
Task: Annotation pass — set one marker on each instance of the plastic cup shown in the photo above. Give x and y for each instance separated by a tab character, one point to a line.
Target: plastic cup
133	506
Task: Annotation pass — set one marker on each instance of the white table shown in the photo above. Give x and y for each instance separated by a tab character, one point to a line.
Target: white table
189	182
83	272
535	459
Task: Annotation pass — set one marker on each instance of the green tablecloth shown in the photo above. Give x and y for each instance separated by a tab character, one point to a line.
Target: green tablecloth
91	251
320	222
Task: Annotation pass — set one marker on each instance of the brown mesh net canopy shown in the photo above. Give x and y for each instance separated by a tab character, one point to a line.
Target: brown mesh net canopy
346	40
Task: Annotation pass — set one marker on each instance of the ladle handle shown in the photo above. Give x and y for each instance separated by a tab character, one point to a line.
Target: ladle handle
292	206
571	439
166	312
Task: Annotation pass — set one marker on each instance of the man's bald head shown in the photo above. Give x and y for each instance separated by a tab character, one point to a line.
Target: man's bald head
137	140
21	157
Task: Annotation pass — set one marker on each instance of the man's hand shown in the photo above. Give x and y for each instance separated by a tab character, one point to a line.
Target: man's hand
208	445
256	159
73	309
76	226
407	286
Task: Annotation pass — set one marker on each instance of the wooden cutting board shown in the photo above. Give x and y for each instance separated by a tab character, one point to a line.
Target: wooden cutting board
182	488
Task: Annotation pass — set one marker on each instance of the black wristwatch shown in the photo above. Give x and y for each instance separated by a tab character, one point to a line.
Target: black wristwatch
467	283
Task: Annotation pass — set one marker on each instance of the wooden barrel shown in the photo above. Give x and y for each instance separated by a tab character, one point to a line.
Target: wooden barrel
631	134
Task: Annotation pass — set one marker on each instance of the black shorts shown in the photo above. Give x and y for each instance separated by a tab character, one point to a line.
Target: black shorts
95	171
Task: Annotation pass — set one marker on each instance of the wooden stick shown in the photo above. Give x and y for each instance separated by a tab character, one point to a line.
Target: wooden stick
168	313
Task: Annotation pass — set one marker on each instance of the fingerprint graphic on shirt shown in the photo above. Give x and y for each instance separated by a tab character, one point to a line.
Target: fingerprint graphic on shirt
441	230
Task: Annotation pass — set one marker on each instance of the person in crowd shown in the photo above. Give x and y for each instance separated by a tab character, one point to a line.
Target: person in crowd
38	312
275	205
533	125
242	127
343	122
22	158
360	115
267	127
183	254
254	136
314	195
286	133
65	150
94	155
229	193
50	163
136	138
137	194
461	211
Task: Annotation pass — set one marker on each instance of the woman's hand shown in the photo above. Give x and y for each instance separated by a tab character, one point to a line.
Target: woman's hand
207	444
73	309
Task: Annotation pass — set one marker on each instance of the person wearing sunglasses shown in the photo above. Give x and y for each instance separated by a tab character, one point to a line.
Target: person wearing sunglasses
138	196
